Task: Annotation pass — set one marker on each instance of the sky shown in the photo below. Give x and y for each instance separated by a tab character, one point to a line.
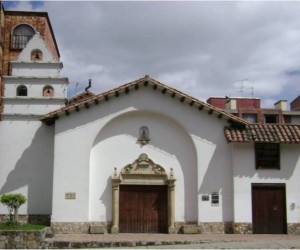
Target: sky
213	48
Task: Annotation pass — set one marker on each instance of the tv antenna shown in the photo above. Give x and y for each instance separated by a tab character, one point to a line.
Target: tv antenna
242	86
76	87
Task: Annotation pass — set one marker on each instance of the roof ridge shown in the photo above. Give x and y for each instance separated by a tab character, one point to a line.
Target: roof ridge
146	81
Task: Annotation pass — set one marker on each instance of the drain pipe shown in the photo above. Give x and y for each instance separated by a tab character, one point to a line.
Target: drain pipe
89	86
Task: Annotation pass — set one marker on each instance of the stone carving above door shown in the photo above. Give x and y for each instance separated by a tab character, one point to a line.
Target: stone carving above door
143	166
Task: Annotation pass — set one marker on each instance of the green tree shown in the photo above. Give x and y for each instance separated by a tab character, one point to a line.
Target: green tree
13	202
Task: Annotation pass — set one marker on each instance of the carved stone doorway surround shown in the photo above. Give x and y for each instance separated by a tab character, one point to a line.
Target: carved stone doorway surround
143	171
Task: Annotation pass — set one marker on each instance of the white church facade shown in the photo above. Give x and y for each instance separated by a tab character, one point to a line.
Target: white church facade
141	158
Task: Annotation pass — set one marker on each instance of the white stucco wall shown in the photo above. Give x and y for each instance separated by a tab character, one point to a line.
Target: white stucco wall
26	160
116	146
36	69
36	42
26	148
35	86
90	143
27	105
245	174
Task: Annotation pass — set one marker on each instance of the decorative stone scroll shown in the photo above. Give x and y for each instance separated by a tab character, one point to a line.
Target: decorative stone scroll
143	165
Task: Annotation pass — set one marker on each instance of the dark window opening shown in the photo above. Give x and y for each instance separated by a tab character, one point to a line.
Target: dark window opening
22	91
267	155
250	117
21	36
271	118
287	119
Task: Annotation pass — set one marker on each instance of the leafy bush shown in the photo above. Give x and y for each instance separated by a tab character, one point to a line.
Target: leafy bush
13	202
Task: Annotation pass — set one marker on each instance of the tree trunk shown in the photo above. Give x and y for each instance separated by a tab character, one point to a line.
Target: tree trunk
16	214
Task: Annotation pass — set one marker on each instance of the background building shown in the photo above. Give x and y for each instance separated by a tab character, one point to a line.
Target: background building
250	109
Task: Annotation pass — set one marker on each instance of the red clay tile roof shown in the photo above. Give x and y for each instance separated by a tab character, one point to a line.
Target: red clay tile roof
266	133
80	97
134	86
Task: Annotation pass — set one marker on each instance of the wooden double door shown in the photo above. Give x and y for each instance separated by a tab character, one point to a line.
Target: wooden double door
143	209
269	209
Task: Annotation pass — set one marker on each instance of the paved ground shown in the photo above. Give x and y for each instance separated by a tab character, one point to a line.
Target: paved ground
177	241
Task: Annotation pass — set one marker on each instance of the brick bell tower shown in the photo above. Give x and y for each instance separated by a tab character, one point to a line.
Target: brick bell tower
17	28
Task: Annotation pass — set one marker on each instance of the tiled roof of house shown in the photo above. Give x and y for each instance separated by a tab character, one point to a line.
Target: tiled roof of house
266	133
145	82
80	97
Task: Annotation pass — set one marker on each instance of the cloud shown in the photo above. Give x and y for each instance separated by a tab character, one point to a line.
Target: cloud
201	48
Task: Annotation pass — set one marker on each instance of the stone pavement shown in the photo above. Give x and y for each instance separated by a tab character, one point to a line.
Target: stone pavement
177	241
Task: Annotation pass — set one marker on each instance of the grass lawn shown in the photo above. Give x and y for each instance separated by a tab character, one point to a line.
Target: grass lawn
24	227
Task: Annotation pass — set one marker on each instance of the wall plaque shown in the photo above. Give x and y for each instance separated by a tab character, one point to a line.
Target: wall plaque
205	198
70	196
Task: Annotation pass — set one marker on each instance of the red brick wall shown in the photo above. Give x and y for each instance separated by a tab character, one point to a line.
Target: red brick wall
295	104
218	102
248	103
240	102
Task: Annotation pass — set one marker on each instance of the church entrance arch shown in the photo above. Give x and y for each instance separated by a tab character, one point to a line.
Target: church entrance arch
143	198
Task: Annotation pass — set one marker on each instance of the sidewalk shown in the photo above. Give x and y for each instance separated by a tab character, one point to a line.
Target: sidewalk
241	241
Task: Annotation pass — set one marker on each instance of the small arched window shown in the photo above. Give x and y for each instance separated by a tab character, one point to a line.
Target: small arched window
36	55
21	36
22	91
48	91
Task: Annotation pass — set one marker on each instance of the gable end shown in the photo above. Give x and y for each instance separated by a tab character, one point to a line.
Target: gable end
134	86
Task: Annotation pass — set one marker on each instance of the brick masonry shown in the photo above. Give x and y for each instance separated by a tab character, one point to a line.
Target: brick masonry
295	104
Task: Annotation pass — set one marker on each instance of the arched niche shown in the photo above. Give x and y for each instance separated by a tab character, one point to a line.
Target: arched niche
143	171
117	144
48	91
36	55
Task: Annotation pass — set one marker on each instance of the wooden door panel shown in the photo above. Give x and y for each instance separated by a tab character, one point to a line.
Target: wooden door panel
143	209
269	209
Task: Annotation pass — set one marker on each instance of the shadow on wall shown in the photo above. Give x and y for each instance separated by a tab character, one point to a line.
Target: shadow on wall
219	175
164	141
106	197
35	170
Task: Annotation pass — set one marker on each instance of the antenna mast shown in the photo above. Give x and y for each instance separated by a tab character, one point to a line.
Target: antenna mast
241	88
76	88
